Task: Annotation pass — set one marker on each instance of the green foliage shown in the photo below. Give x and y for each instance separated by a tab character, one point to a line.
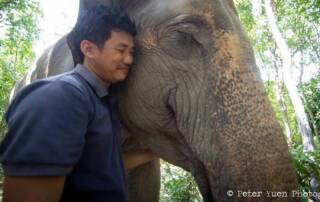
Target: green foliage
280	113
311	91
271	92
306	163
300	20
246	17
255	25
177	185
19	30
294	127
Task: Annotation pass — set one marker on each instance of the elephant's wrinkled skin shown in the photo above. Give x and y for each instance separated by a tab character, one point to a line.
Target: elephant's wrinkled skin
195	97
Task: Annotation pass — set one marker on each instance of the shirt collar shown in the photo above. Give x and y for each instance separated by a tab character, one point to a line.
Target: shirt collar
92	79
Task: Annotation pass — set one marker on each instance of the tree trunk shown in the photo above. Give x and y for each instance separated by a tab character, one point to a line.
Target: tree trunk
281	101
307	137
292	89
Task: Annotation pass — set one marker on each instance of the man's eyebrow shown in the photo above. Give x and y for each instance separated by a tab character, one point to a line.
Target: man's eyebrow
126	45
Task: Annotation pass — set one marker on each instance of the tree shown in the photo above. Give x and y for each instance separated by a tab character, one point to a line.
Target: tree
307	137
19	30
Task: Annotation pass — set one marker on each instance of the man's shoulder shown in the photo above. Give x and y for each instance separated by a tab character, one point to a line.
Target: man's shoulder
69	78
57	84
62	86
65	90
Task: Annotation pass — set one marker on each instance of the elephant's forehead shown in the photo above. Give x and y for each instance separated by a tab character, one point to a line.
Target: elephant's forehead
169	5
158	11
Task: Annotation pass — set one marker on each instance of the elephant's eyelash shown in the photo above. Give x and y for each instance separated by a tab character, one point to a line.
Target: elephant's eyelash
189	28
184	27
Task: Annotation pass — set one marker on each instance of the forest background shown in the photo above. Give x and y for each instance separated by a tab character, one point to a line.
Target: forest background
285	35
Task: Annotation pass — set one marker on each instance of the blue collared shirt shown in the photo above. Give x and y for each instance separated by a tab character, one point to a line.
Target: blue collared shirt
67	125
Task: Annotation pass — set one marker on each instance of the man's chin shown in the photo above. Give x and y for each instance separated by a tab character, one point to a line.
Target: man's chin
119	79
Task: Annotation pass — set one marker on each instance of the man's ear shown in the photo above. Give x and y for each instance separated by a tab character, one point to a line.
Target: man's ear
88	48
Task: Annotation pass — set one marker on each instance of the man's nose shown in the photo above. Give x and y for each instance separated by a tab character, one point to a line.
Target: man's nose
128	60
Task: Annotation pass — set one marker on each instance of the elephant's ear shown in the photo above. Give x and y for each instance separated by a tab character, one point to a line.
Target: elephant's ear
76	60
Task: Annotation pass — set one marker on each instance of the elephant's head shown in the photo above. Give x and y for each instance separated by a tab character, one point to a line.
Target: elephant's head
194	95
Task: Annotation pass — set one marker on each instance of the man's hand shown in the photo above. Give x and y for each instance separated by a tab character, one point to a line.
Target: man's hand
33	189
135	158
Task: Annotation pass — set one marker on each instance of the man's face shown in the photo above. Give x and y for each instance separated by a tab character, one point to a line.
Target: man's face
113	60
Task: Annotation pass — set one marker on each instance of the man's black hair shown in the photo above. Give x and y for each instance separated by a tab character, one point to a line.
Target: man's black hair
96	25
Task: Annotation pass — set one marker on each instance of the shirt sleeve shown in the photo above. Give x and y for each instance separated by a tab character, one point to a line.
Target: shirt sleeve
47	123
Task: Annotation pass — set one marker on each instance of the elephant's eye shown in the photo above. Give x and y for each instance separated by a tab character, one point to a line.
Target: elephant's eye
180	45
184	38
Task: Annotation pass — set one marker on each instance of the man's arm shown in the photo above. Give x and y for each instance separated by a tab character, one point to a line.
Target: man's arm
41	122
33	189
135	158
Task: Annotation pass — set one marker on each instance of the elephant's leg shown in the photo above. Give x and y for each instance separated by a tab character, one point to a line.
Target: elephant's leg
144	182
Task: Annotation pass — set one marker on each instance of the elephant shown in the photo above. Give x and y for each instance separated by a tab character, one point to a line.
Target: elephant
194	96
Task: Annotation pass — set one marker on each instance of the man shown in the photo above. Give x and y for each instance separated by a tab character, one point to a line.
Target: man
63	132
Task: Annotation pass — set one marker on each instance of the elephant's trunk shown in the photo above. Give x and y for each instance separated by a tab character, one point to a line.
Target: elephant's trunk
232	129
